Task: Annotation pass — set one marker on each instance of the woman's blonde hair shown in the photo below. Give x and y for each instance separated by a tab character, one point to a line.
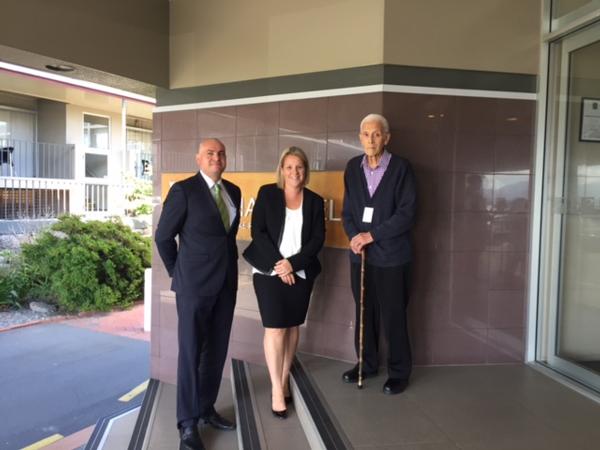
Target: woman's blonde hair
299	153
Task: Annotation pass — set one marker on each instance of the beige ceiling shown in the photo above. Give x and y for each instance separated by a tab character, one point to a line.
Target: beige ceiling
52	90
39	62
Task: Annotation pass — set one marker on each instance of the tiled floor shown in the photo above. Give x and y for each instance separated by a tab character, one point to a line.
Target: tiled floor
503	407
509	407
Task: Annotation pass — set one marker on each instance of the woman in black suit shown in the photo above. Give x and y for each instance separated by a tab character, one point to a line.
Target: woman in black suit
288	231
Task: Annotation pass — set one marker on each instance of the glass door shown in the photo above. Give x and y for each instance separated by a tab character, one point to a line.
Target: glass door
570	341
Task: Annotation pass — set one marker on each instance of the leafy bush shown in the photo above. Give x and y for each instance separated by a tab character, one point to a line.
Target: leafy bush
142	189
87	266
142	209
13	281
140	198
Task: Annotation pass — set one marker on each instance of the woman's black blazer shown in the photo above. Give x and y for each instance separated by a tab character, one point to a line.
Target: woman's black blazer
268	219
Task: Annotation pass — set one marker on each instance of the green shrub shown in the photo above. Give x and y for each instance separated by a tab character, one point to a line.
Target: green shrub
9	295
87	266
13	281
142	209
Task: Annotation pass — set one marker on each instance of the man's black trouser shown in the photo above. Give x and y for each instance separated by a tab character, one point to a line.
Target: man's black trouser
385	300
204	325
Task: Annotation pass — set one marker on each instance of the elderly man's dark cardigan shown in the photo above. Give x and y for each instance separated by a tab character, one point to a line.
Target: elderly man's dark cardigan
394	204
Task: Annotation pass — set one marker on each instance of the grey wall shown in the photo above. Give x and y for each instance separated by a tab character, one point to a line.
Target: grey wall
52	122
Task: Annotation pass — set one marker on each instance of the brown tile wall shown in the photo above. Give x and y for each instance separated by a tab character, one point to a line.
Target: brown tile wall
473	161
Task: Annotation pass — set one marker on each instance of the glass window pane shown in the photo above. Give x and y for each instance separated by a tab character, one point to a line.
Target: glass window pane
569	304
4	124
563	7
17	125
139	141
96	166
579	310
95	131
139	148
565	12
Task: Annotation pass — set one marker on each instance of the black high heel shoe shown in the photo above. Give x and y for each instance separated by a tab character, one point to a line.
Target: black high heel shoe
288	398
280	414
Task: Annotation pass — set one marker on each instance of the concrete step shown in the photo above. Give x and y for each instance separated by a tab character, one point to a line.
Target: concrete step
258	428
318	419
154	425
310	424
114	431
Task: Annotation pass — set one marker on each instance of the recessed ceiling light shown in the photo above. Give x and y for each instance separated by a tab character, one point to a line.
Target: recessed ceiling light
60	67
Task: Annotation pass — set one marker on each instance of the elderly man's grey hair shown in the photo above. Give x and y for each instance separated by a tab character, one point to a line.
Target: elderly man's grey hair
376	118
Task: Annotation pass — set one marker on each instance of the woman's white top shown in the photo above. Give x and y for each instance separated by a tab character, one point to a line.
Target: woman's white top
291	241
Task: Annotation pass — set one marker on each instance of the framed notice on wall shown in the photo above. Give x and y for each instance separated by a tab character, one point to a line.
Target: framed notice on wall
590	120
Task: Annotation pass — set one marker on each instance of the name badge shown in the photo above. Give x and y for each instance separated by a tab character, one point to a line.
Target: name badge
367	215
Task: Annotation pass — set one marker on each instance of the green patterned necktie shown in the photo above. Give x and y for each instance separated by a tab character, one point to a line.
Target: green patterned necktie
216	192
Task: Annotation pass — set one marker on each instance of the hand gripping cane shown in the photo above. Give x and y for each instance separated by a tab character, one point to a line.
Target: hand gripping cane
361	331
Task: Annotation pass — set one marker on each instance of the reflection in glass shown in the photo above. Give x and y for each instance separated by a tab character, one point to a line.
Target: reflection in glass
96	166
511	193
579	302
95	131
561	8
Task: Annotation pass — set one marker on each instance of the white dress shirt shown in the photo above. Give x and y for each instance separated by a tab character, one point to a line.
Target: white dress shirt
291	241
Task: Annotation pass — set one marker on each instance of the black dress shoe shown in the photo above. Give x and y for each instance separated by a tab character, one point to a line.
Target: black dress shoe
351	376
280	414
219	422
395	386
190	438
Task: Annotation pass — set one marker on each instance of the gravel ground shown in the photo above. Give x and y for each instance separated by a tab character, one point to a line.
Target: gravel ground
21	316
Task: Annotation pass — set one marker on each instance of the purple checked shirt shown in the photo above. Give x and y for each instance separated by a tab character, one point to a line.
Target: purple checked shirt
375	175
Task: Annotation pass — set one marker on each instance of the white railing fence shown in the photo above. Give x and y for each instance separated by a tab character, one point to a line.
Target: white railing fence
36	198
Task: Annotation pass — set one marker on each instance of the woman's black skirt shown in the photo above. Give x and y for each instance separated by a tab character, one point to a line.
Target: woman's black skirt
282	305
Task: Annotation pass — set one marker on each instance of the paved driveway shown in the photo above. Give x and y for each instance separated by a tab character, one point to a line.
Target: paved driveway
58	378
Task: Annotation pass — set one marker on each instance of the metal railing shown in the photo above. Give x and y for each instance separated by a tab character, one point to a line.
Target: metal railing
24	159
43	198
29	198
96	197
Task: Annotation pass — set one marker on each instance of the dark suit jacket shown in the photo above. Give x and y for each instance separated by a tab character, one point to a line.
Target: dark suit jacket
394	207
268	220
206	251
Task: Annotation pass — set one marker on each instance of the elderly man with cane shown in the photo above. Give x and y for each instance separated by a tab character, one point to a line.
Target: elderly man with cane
378	214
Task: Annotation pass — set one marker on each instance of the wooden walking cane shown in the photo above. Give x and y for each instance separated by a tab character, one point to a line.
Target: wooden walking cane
361	330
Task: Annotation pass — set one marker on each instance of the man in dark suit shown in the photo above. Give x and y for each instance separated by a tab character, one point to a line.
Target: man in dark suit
378	213
203	212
